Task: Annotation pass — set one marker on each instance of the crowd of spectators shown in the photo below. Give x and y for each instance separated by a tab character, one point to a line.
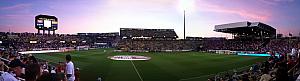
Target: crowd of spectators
31	41
157	45
166	39
17	67
233	44
284	67
153	33
281	45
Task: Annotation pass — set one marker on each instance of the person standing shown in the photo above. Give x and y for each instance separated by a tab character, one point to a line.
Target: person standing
69	69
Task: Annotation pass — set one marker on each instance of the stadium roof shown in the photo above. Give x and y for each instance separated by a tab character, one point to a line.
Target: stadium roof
253	29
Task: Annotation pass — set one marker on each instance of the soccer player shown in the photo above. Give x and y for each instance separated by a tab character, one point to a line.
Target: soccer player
69	69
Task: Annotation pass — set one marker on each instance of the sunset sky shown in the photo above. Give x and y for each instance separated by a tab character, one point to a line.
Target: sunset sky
97	16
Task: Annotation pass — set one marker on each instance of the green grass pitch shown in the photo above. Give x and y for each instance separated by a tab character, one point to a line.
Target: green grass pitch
163	66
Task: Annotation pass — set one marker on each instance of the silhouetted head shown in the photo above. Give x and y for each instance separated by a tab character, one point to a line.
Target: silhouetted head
68	57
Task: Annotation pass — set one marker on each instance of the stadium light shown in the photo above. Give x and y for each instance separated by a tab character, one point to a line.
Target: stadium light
186	5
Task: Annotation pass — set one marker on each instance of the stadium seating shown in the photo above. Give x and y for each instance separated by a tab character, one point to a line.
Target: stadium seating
129	33
30	41
162	40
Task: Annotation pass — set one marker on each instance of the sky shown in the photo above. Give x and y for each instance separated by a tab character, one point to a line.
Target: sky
99	16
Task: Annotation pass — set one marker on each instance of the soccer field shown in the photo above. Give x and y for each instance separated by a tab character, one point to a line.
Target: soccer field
163	66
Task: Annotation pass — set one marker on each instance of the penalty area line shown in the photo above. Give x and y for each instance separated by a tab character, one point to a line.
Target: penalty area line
137	72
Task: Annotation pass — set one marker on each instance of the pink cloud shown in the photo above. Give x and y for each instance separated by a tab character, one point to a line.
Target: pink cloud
15	7
243	12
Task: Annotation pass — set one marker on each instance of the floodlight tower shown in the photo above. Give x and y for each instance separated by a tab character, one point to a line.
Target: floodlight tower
183	24
185	5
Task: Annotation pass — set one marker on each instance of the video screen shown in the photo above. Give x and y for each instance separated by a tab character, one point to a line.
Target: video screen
47	23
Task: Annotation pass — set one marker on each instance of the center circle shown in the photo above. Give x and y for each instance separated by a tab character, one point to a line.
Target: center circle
129	57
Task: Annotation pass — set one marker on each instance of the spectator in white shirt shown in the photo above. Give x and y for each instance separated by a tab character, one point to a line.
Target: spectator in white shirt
70	71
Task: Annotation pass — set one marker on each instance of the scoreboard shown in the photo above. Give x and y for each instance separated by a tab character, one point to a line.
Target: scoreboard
46	22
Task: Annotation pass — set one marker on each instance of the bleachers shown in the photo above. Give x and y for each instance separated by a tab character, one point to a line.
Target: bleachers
29	41
129	33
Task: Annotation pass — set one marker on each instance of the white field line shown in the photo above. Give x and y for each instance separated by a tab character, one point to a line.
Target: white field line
136	71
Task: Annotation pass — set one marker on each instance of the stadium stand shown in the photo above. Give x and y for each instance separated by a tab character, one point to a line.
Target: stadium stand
282	68
157	45
282	45
254	30
165	39
157	34
33	41
135	39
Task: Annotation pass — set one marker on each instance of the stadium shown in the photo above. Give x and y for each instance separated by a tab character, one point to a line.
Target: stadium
68	45
137	54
